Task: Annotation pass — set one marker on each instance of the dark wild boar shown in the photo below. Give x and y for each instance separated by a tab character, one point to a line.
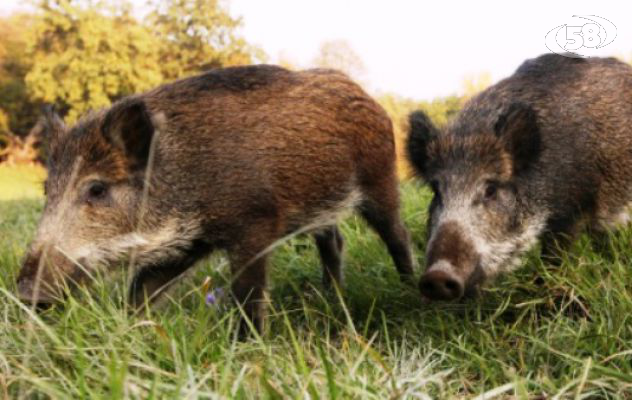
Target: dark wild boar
542	155
234	159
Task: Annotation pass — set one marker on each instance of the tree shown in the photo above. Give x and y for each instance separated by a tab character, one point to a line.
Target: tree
4	123
198	35
285	60
17	112
85	57
338	54
474	84
442	109
85	54
439	110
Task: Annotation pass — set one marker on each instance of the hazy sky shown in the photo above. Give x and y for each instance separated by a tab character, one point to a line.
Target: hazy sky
419	49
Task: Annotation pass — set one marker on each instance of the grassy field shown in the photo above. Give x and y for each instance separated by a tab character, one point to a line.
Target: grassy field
543	332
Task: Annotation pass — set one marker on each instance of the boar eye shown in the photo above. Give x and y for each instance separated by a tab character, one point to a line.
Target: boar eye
97	190
491	190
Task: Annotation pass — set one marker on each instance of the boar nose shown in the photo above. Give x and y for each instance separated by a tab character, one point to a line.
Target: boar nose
441	285
29	294
28	291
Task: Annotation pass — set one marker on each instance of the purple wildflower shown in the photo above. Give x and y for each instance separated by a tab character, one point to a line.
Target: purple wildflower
214	296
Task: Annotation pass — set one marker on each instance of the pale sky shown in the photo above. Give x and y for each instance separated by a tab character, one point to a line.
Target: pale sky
419	49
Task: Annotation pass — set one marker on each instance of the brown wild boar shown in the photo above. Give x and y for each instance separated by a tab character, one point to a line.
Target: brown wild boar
540	155
233	159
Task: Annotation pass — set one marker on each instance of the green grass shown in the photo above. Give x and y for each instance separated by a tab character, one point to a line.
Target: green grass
543	331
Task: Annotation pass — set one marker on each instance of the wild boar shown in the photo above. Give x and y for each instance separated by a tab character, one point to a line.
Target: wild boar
234	159
540	155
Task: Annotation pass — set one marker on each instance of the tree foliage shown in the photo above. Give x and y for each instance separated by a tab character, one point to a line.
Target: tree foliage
440	111
338	54
197	35
474	84
17	112
85	56
4	123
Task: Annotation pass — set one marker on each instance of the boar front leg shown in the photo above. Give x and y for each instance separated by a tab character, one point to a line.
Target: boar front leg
151	280
555	244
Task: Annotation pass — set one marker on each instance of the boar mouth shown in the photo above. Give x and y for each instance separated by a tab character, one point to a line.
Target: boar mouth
43	287
29	293
474	282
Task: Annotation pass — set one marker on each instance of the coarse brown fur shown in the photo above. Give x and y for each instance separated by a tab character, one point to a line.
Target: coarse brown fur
242	157
541	154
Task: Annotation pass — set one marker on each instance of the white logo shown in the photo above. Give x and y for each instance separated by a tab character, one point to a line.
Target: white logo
581	41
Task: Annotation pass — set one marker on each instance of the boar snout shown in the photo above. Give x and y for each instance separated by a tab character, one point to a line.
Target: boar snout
29	293
441	285
451	261
35	284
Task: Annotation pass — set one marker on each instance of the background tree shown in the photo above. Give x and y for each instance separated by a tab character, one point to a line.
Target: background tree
86	55
17	112
338	54
83	54
197	35
4	123
285	60
474	84
440	111
5	134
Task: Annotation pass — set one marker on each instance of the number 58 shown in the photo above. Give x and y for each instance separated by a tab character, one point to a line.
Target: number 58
582	36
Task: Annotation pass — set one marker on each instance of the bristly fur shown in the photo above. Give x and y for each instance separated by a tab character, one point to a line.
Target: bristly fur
538	155
234	159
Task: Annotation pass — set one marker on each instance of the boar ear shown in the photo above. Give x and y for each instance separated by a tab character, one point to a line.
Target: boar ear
518	128
128	125
422	131
48	130
50	125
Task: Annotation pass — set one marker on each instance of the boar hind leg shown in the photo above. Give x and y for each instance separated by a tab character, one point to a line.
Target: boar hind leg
329	242
381	211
